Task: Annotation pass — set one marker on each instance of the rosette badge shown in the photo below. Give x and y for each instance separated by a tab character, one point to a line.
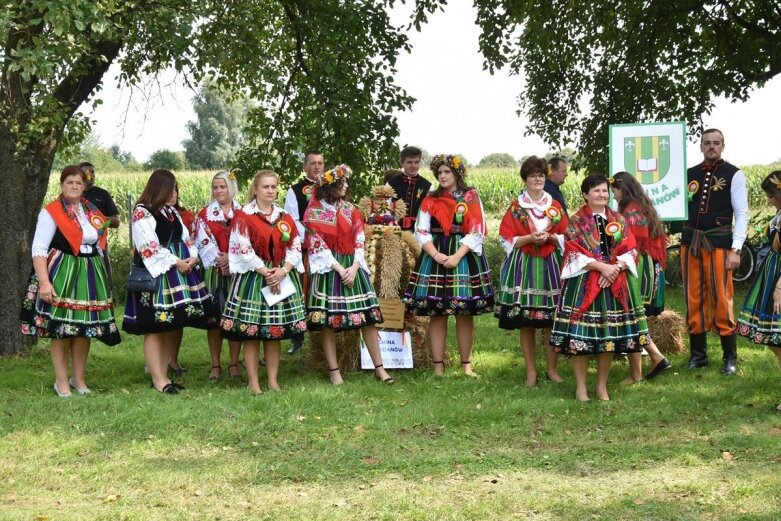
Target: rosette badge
692	189
284	229
461	210
553	213
613	229
98	222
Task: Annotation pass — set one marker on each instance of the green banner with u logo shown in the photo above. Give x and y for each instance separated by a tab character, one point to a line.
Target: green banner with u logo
647	158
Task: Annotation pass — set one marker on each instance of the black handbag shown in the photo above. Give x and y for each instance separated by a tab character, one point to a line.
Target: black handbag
139	279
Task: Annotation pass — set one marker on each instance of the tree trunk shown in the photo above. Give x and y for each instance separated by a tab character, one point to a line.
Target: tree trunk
23	184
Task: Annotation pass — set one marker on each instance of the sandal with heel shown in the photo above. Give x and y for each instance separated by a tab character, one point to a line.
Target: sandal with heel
389	380
216	377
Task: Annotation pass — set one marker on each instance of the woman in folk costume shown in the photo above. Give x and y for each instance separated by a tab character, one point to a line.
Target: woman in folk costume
264	252
69	296
451	276
163	244
643	221
600	311
532	235
188	220
341	295
760	317
212	235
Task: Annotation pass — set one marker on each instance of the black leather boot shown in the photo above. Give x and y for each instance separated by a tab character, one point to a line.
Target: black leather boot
729	344
698	357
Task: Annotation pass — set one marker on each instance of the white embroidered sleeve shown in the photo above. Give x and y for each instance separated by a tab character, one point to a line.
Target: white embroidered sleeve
474	241
575	265
423	228
629	259
207	246
508	246
321	260
157	259
293	254
44	233
241	256
560	242
739	200
360	251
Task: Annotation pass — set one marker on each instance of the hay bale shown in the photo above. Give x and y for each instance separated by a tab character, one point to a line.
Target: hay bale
348	352
667	331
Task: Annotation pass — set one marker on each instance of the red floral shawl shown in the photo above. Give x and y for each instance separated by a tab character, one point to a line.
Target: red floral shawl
583	237
638	223
443	209
516	223
265	236
68	223
218	229
338	227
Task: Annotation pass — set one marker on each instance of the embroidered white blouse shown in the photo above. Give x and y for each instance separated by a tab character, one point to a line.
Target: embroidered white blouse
157	258
321	259
46	228
208	250
540	223
242	257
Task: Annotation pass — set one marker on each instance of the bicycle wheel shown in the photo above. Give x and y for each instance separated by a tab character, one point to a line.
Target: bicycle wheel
747	262
672	272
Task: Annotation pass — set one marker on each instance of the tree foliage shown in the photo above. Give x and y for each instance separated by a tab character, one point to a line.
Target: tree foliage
168	159
217	134
628	61
320	72
498	160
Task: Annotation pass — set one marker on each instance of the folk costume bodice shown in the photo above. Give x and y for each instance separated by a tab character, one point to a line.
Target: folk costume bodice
212	231
525	216
257	238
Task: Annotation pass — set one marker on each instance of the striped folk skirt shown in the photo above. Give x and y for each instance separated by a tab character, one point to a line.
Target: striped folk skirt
334	305
434	290
247	316
83	307
529	290
757	320
180	301
217	285
651	276
604	327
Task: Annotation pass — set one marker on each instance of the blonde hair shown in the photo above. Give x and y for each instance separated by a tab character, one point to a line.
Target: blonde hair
253	187
230	180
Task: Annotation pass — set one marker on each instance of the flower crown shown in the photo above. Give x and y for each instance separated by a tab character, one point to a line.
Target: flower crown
455	162
333	175
776	182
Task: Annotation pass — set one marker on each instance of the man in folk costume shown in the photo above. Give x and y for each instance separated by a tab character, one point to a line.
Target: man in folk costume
296	201
410	187
710	250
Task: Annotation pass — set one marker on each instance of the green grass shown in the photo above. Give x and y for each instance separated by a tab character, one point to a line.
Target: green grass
689	445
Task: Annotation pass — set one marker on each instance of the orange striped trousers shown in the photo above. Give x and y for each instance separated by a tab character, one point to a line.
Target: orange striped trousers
709	292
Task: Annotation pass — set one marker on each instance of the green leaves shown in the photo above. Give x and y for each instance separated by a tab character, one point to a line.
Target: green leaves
589	64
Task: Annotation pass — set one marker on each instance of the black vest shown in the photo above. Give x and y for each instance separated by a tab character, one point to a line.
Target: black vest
711	206
59	242
412	194
301	197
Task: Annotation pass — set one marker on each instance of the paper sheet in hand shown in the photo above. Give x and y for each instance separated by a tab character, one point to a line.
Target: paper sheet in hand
286	288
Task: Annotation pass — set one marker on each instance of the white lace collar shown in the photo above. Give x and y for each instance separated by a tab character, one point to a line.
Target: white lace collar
525	201
252	208
214	211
